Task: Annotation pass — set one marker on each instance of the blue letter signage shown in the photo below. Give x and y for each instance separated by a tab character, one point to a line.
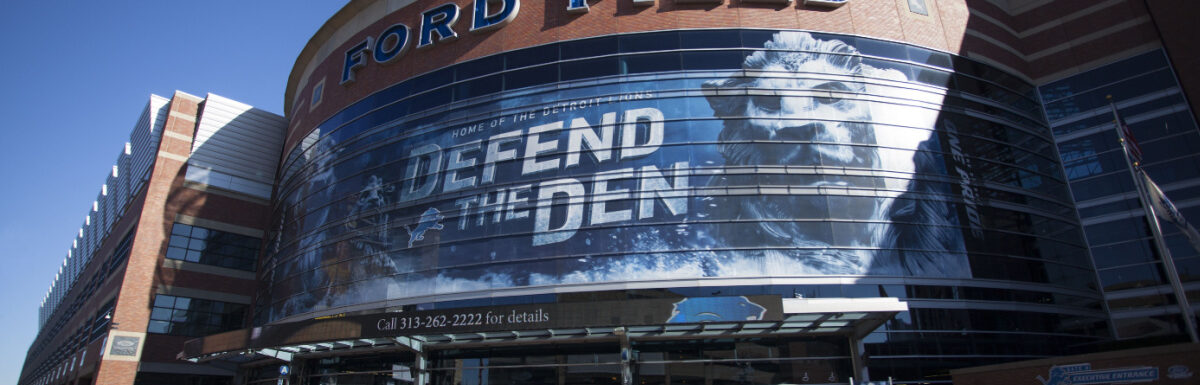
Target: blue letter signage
382	52
439	20
483	21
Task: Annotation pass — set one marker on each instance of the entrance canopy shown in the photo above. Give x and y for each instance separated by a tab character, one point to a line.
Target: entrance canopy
696	317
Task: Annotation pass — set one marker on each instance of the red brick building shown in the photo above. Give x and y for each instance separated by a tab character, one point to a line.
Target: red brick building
192	163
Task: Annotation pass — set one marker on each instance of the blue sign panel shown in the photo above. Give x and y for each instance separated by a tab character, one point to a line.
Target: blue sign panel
1111	376
1082	374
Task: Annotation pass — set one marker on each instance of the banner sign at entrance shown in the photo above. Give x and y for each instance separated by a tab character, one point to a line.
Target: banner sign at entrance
569	315
1081	374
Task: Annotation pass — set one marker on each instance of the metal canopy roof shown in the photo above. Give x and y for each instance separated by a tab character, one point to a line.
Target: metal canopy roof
852	317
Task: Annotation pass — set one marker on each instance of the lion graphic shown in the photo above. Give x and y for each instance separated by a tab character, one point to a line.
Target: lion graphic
802	102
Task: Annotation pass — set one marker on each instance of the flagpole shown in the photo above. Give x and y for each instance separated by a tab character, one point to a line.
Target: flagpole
1135	171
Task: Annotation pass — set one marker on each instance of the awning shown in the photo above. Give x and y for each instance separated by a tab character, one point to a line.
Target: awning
706	317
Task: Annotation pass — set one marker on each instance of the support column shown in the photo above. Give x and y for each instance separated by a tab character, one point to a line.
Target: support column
626	356
421	360
421	363
119	364
859	374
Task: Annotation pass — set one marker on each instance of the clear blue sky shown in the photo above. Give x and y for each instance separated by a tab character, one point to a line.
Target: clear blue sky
74	75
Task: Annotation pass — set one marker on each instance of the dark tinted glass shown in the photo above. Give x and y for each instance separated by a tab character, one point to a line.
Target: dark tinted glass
432	80
212	247
478	87
588	48
530	77
709	39
712	60
882	48
1124	253
479	67
531	56
657	41
591	68
1116	231
435	98
633	64
1092	79
756	39
1131	277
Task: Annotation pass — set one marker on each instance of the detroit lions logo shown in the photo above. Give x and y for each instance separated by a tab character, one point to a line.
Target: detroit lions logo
716	309
430	220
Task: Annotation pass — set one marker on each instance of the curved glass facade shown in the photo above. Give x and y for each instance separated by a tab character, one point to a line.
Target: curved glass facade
703	162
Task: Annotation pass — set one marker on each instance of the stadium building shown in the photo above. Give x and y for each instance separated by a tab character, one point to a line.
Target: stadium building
667	191
167	251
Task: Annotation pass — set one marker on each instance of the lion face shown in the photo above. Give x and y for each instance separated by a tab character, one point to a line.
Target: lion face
798	104
813	122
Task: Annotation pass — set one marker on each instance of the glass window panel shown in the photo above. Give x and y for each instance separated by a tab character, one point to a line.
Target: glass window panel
1110	208
176	253
1116	231
1125	253
657	41
164	301
632	64
479	67
1092	188
530	77
180	229
156	326
1173	171
1189	270
1131	277
1171	147
160	314
436	98
924	56
882	48
756	38
712	60
588	48
1149	326
179	241
478	87
432	80
1088	80
1125	89
531	56
586	69
709	39
933	77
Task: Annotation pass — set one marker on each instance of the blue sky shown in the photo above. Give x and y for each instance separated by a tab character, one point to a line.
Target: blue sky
74	76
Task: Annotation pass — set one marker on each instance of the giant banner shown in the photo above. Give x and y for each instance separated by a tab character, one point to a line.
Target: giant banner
807	162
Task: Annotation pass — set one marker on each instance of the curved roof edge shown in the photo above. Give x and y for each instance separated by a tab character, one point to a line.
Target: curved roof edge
312	49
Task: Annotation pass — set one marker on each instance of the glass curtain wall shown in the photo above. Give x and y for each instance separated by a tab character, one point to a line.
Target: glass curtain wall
1149	99
686	156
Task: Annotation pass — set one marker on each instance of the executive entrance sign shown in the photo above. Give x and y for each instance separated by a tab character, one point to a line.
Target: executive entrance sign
1083	374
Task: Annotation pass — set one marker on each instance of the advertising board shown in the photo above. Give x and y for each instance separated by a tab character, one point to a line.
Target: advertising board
812	160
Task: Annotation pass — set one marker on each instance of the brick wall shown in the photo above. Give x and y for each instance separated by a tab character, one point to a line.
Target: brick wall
132	310
541	22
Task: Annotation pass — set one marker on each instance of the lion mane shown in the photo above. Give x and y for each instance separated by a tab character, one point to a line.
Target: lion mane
888	249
